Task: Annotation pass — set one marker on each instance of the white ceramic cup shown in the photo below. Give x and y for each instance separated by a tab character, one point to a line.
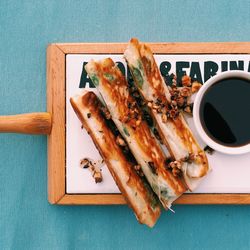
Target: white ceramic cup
196	113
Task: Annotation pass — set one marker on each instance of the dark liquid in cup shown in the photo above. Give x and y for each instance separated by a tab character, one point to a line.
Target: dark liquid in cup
225	112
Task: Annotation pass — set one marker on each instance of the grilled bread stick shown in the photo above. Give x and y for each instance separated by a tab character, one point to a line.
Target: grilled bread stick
172	127
126	115
136	191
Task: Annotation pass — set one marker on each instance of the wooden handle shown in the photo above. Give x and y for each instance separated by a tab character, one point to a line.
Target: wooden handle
32	123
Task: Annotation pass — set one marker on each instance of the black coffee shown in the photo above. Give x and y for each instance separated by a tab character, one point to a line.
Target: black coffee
225	112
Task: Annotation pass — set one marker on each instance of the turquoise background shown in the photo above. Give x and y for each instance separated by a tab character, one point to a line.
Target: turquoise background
27	220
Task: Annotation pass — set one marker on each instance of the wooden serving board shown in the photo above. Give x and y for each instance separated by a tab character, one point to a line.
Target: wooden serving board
56	107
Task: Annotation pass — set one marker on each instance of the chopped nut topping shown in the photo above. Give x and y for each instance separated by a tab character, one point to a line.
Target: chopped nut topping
95	171
84	163
133	116
150	104
180	96
171	164
175	164
164	118
173	113
185	91
174	103
196	86
155	106
180	101
106	113
159	110
209	150
131	111
108	116
164	109
176	171
97	176
120	141
189	109
178	164
168	161
186	81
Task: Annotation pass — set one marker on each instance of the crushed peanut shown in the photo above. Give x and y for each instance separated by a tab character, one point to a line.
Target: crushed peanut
164	118
180	101
93	168
120	141
188	109
106	113
84	163
138	170
186	81
137	167
175	164
176	172
178	164
209	150
173	113
150	104
155	106
174	103
196	86
185	91
97	176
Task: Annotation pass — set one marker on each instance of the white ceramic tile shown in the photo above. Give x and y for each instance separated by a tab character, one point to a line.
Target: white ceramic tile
230	174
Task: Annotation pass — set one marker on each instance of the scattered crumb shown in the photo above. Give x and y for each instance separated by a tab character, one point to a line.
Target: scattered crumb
94	167
196	86
209	150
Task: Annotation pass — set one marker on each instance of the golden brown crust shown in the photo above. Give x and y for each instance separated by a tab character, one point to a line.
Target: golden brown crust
89	103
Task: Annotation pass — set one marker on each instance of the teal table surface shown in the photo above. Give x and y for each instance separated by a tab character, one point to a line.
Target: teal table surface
27	220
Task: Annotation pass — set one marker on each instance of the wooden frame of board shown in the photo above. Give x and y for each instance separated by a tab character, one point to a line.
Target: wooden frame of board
56	67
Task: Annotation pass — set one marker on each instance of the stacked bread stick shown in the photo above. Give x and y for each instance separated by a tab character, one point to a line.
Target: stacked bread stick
149	177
